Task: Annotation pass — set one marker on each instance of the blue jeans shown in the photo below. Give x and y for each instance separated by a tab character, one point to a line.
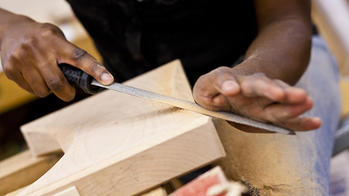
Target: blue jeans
294	165
321	82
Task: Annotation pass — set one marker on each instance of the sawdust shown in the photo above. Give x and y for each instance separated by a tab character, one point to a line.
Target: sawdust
269	164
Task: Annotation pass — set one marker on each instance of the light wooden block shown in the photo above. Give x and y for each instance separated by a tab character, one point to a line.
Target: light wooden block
116	144
23	169
156	192
71	191
332	19
344	86
16	192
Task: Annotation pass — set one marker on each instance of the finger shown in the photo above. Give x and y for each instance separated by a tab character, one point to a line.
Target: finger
55	79
204	91
16	75
294	95
51	75
20	81
258	85
27	73
210	89
224	81
82	60
217	81
207	102
302	123
36	82
221	102
281	83
23	84
283	112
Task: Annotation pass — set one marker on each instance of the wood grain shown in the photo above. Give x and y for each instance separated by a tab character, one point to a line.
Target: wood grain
332	20
23	169
71	191
344	85
115	144
192	106
16	192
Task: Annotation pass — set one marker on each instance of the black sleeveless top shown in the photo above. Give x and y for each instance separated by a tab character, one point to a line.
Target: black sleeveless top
134	36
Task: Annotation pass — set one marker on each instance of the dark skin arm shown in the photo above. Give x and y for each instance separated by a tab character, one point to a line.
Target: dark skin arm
260	87
31	52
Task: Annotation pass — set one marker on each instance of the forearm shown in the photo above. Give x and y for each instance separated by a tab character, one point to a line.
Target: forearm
7	19
281	51
282	48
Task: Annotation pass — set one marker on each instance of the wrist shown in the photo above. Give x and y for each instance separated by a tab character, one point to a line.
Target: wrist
272	67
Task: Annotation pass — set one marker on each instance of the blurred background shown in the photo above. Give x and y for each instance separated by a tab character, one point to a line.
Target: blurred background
18	107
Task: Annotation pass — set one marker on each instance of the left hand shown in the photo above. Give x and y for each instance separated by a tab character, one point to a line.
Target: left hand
255	96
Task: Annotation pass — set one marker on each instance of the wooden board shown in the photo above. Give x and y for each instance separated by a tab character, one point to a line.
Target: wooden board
122	145
344	85
23	169
156	192
16	192
332	20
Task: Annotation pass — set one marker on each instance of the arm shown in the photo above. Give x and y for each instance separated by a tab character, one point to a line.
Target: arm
31	52
282	47
259	87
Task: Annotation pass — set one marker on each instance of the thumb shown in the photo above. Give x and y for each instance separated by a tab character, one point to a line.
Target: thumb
84	61
225	82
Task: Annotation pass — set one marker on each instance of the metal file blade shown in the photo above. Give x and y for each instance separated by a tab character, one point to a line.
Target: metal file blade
184	104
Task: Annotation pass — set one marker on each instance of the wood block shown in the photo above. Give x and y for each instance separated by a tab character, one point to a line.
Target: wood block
23	169
116	144
156	192
71	191
16	192
332	20
344	85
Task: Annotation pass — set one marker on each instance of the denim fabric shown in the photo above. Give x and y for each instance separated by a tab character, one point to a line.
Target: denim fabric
321	82
290	165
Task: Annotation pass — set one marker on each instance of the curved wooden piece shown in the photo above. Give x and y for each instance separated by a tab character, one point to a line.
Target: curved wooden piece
116	144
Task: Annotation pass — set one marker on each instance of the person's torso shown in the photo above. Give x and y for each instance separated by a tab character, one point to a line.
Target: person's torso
134	36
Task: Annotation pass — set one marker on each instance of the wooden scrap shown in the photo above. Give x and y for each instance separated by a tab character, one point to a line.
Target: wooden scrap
23	169
332	20
71	191
344	85
156	192
16	192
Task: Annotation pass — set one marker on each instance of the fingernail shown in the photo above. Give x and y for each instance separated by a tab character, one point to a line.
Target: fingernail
229	86
107	78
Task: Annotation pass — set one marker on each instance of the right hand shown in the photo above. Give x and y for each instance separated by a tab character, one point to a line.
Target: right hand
31	52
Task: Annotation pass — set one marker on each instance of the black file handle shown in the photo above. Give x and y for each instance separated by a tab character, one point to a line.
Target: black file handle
78	78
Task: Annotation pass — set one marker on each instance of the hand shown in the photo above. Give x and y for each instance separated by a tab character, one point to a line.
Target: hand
257	97
31	52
